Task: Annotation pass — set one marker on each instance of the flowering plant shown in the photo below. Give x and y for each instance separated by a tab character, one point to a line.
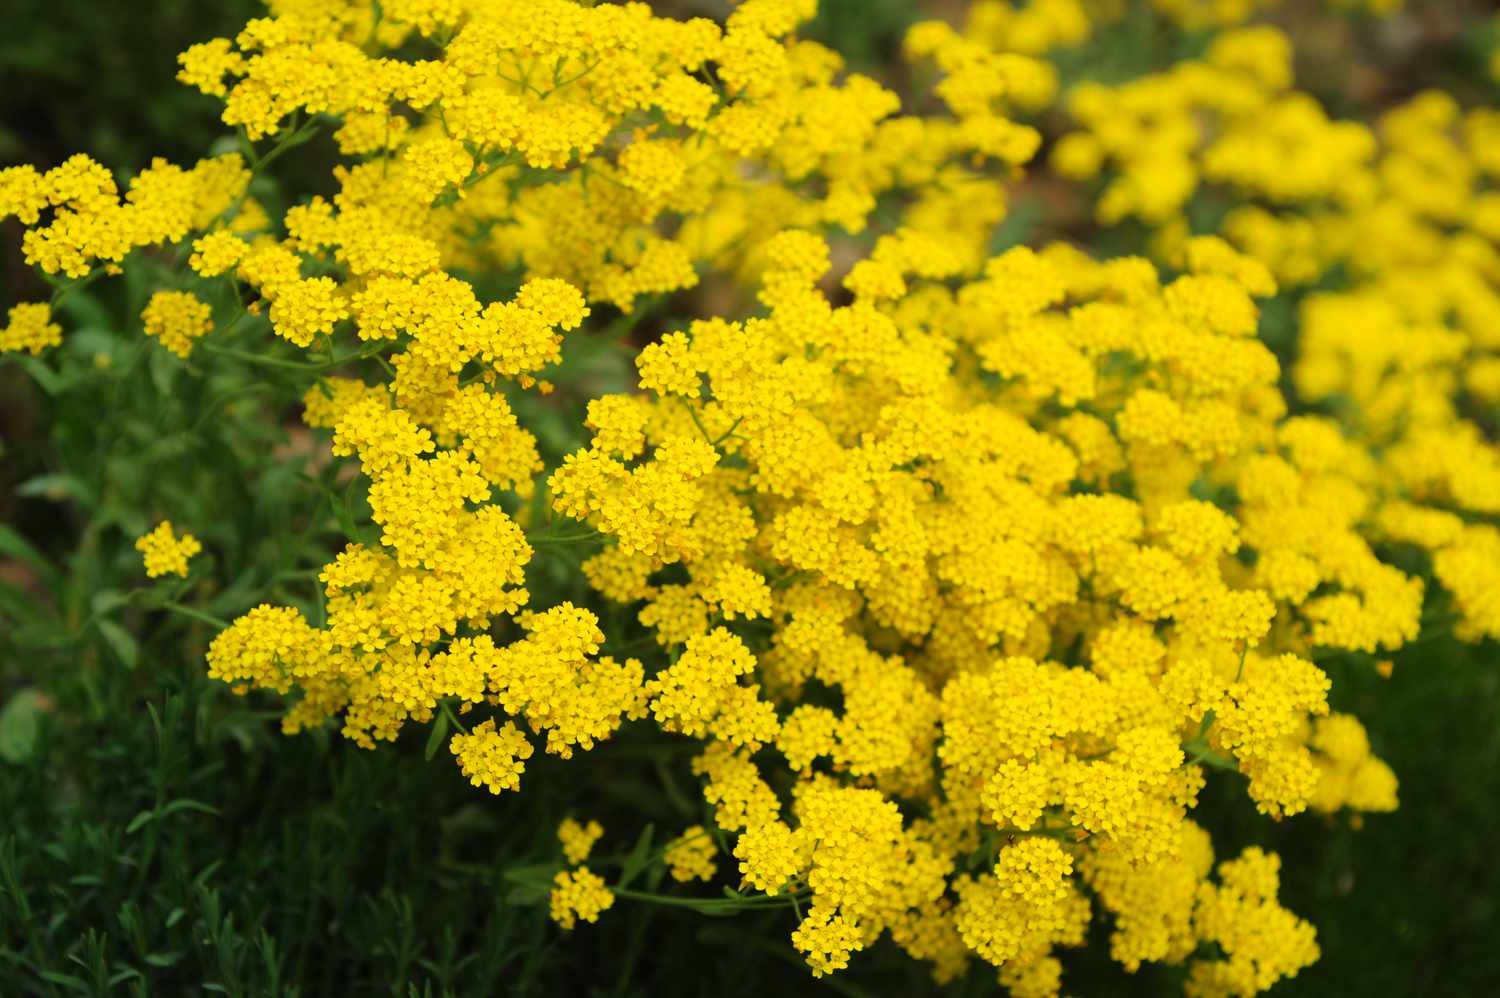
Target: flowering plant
955	570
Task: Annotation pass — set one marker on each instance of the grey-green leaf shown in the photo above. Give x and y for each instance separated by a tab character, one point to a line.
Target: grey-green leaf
20	726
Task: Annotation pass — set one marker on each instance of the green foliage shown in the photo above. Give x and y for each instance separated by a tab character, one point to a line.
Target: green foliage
116	61
867	33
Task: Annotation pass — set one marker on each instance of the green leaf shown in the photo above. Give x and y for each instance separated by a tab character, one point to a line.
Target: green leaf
188	804
166	811
51	381
163	365
236	597
435	739
66	980
13	545
108	601
525	897
532	874
638	858
56	487
120	642
20	726
37	634
533	883
18	604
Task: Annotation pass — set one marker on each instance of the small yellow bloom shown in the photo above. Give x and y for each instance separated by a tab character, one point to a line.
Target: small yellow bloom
579	893
577	839
165	552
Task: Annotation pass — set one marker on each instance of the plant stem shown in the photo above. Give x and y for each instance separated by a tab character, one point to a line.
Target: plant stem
700	904
252	358
452	717
199	615
62	293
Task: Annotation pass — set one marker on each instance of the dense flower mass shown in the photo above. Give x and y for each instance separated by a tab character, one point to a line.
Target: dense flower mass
963	569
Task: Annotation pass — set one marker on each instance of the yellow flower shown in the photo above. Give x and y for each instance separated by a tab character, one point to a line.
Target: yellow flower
177	319
30	328
690	856
578	840
165	552
579	894
492	757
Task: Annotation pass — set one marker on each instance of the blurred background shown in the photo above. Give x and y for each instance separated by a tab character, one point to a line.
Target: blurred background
1405	905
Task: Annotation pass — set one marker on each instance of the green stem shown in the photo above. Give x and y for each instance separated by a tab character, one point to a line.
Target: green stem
727	433
698	423
254	358
1205	754
622	326
296	365
717	904
560	538
452	717
656	855
295	137
62	292
199	615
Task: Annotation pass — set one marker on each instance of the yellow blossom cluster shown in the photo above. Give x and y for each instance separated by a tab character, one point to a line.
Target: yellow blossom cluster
959	570
578	839
30	328
579	894
493	758
77	219
176	318
907	467
1398	222
690	856
166	552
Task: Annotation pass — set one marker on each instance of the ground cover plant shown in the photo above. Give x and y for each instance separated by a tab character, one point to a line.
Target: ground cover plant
594	498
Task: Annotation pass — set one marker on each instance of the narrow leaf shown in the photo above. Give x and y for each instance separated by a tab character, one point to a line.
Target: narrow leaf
435	738
13	545
20	726
638	857
120	642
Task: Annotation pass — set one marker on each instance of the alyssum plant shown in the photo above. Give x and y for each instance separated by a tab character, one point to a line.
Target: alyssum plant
961	573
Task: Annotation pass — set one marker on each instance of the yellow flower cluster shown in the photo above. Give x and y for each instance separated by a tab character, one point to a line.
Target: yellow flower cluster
166	553
690	856
962	568
30	328
459	144
77	218
859	461
1400	222
176	318
492	758
578	840
1261	941
579	894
